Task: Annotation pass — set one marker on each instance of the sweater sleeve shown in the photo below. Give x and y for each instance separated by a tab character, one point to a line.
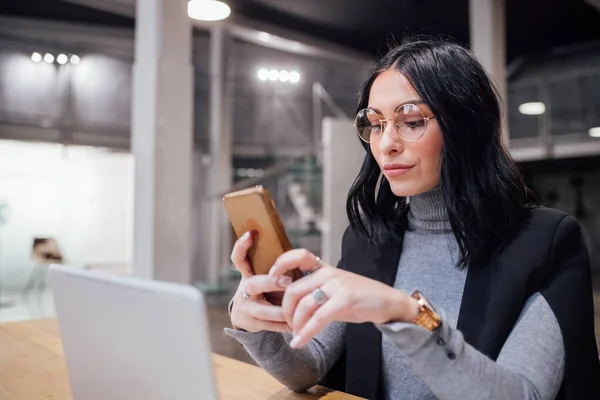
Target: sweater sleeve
530	365
298	369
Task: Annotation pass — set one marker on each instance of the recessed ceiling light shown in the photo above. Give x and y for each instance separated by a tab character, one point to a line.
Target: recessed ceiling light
294	76
264	36
62	59
595	132
49	58
208	10
533	108
273	75
75	59
263	74
36	57
284	76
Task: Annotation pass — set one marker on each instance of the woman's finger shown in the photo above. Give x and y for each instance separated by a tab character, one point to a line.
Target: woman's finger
300	288
264	311
239	255
272	326
302	259
327	313
304	310
259	284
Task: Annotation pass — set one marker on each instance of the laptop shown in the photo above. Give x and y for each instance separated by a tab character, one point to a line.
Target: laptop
126	338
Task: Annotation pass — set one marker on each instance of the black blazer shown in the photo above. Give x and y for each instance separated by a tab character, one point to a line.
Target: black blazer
548	255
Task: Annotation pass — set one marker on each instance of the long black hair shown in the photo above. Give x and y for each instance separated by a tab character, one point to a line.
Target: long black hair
483	190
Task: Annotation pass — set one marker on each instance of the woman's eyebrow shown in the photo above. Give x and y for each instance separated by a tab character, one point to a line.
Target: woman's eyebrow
415	102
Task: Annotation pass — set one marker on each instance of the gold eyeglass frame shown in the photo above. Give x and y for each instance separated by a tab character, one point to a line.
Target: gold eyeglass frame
384	122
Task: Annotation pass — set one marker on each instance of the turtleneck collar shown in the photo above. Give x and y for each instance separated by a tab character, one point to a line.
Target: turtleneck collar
427	211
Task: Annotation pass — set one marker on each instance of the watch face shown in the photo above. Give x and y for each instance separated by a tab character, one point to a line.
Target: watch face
427	318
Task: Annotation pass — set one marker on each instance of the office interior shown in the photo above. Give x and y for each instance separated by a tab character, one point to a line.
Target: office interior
123	123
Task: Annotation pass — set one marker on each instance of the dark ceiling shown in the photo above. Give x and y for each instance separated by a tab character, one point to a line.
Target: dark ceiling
532	25
62	11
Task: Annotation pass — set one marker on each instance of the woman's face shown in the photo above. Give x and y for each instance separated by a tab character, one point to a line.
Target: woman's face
411	167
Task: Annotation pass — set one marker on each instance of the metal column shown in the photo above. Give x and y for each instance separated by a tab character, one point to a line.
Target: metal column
162	140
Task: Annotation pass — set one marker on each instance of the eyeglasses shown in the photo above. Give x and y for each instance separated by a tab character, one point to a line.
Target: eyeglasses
409	122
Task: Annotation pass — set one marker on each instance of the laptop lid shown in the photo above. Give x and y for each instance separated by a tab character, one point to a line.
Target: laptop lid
126	338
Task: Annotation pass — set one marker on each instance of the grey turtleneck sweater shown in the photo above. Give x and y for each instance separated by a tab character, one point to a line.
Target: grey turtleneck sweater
418	364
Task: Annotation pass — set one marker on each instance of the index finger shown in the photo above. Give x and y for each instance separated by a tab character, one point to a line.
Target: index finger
319	320
301	259
239	255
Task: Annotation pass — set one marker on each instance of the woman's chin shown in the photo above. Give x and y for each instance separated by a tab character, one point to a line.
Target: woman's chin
407	189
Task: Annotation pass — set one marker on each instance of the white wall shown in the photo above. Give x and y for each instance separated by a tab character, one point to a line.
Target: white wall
28	89
81	196
342	158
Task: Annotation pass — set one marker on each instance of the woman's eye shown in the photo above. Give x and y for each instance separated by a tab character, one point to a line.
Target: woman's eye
415	124
376	129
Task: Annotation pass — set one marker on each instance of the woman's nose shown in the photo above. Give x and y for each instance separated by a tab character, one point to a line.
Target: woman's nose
390	140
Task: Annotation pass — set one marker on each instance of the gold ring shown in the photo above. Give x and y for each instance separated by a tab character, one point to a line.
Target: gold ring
318	265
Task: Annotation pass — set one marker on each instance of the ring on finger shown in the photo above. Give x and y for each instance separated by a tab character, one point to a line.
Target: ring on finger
319	296
245	294
318	265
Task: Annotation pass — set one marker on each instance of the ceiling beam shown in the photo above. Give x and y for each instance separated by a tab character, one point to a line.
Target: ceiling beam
248	30
77	36
594	3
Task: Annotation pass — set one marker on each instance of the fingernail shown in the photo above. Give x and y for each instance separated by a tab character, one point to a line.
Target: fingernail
295	342
246	236
284	281
272	271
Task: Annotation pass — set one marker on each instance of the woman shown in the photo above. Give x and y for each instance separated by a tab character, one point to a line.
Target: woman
452	285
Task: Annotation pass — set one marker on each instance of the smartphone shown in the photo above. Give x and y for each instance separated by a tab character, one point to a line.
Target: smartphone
253	210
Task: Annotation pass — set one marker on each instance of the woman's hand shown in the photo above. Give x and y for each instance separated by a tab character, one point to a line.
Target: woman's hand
348	297
254	313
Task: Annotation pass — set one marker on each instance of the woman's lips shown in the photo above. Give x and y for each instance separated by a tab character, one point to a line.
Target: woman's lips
394	170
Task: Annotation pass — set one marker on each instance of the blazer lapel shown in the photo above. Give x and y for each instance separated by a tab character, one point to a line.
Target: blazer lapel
363	366
473	305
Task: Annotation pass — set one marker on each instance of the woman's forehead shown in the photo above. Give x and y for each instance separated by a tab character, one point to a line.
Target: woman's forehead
390	90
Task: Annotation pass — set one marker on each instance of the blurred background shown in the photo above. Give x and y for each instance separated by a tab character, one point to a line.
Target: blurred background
123	122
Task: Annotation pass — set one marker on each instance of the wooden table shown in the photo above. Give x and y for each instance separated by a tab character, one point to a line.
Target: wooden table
32	366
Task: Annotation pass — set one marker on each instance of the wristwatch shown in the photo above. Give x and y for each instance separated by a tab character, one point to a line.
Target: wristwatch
427	318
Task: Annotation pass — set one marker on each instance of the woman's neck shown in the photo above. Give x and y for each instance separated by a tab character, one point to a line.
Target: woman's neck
427	211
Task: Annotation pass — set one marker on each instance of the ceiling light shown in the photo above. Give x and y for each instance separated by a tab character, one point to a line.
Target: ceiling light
264	36
595	132
263	74
533	108
284	76
49	58
294	76
208	10
62	59
36	57
75	59
277	75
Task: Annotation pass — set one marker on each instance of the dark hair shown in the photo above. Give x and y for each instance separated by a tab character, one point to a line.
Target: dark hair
483	189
